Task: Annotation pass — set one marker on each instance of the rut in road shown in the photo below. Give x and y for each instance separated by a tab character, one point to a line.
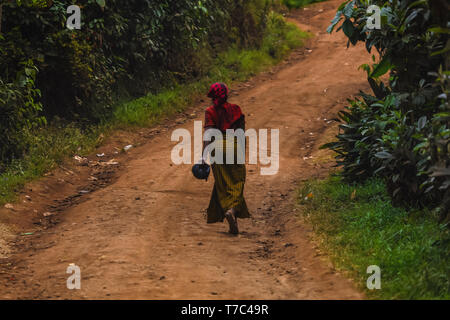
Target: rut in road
145	237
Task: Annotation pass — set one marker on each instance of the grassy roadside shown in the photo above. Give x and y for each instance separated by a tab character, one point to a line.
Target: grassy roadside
357	225
54	143
299	3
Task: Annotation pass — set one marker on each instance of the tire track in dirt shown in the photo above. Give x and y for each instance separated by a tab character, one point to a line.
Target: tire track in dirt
144	235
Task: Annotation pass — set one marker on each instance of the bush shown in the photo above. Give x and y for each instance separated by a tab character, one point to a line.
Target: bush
18	112
402	132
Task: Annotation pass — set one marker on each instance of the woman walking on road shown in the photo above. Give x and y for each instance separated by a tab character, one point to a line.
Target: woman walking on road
227	200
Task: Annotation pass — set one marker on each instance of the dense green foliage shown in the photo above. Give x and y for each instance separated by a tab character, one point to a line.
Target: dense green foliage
359	227
124	48
233	64
51	144
402	132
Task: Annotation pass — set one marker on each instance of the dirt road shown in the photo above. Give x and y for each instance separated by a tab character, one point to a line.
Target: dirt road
141	233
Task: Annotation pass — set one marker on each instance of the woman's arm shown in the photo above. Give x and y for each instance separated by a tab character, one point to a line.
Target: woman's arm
205	144
210	123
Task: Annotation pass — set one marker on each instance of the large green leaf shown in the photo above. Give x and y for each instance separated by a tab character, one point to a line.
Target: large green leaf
382	68
439	30
348	9
384	155
348	28
335	21
422	123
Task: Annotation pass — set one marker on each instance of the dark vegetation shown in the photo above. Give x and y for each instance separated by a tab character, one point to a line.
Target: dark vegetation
401	132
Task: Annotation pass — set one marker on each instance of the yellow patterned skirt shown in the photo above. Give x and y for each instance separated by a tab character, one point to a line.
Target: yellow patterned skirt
228	190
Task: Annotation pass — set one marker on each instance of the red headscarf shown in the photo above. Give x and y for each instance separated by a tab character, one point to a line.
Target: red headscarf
222	115
219	93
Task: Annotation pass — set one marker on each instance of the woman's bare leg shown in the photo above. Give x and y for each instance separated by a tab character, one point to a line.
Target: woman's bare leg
232	221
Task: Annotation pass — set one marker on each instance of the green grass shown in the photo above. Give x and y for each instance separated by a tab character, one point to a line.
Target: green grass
298	3
51	146
56	142
361	228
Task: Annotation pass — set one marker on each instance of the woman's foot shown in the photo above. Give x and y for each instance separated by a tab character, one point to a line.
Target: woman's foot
232	221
